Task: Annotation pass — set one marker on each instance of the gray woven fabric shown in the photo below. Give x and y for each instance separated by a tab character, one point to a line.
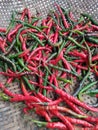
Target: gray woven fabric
10	114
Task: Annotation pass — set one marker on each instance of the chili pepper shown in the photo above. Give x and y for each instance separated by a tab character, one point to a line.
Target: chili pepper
36	38
24	98
79	121
3	45
49	26
86	88
63	109
94	58
12	23
29	15
65	96
9	81
92	39
2	30
24	12
10	48
89	55
44	114
62	69
90	18
94	27
44	98
75	42
45	83
41	86
9	93
11	33
79	66
64	80
51	125
76	53
92	92
2	57
64	120
33	52
28	25
81	83
56	36
63	17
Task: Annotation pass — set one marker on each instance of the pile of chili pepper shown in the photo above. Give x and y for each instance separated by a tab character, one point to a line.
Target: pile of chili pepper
47	59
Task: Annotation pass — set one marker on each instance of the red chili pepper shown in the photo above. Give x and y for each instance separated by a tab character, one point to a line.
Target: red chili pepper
45	99
35	51
79	66
78	54
11	33
58	125
56	36
29	16
95	58
2	44
92	45
56	102
96	95
33	69
66	96
9	93
63	17
49	26
24	53
24	12
57	59
82	28
9	80
64	120
44	114
94	27
2	29
41	86
24	98
66	64
79	121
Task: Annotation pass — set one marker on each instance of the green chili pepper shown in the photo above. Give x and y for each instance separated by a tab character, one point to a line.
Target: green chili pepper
69	48
62	69
36	38
17	37
31	87
75	42
90	18
35	19
45	83
29	25
64	80
89	55
62	46
14	55
51	56
92	92
92	39
81	83
3	58
10	48
12	22
21	62
4	97
66	13
85	88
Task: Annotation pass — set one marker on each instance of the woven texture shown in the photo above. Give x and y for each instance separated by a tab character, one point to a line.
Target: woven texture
10	114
